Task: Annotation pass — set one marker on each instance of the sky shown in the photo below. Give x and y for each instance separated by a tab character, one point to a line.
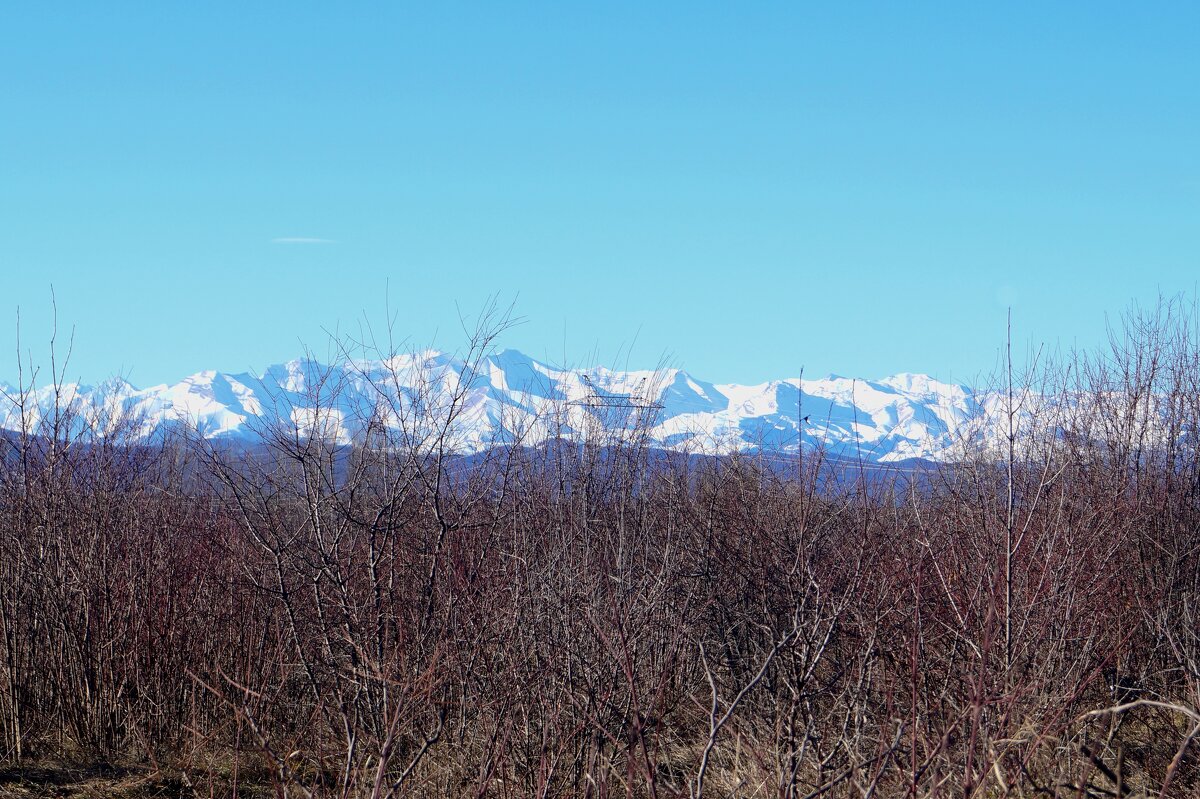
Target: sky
740	189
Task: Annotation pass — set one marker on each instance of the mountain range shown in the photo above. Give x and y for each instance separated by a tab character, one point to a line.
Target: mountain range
508	396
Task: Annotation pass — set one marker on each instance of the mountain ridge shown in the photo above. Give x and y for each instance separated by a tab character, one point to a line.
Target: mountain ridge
507	396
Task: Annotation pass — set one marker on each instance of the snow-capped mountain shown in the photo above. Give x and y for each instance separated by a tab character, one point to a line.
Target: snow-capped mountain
509	396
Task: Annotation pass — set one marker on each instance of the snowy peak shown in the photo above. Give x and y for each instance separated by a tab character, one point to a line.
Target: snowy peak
510	397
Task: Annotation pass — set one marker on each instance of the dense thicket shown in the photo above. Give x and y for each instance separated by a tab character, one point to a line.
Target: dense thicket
592	619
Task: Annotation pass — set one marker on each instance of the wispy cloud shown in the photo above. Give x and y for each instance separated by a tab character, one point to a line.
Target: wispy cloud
301	240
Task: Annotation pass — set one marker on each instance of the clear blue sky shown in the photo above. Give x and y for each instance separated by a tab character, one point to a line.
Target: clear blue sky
749	188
